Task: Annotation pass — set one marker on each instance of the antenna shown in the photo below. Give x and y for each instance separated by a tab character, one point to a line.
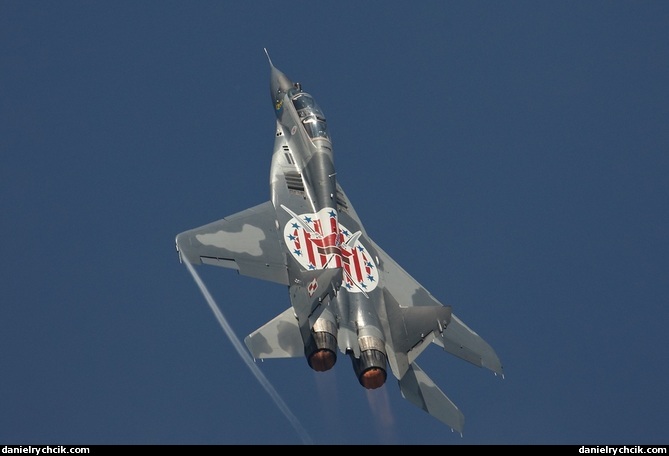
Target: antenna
268	58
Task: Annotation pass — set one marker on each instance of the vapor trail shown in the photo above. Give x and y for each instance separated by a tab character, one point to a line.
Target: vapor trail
306	439
379	403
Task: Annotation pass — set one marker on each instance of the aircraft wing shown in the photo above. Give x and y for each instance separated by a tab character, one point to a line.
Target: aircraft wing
414	319
461	341
246	241
402	292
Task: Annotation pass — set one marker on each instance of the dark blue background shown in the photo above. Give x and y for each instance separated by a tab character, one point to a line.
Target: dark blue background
512	156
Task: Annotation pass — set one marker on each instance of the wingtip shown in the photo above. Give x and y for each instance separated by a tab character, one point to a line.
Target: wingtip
176	245
459	432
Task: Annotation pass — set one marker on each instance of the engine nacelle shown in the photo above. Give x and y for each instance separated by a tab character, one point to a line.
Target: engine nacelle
370	368
322	351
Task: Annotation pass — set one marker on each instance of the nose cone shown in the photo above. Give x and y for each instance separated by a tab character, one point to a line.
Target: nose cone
279	84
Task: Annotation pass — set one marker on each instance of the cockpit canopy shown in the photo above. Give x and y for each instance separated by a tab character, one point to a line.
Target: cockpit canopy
311	115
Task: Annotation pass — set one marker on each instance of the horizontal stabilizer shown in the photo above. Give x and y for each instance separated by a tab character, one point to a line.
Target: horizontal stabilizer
278	338
421	391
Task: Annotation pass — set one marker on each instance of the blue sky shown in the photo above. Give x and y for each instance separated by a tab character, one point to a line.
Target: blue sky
512	156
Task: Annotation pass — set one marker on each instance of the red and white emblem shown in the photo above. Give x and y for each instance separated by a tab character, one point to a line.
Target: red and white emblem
313	286
318	241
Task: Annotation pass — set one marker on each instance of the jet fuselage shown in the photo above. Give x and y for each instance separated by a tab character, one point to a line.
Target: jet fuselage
346	293
351	321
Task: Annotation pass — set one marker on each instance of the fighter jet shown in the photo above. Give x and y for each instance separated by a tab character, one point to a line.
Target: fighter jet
347	295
